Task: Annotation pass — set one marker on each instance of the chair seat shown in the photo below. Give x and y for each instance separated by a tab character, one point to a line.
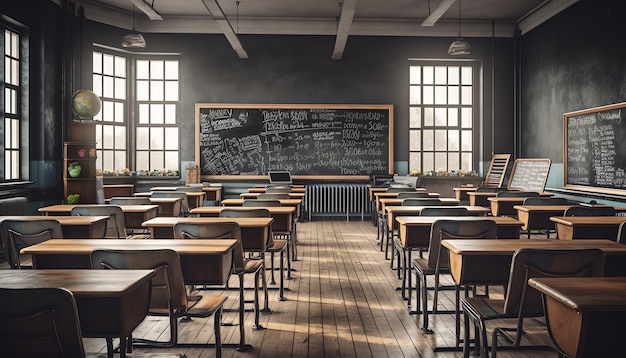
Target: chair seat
484	307
207	305
139	237
421	266
279	245
253	265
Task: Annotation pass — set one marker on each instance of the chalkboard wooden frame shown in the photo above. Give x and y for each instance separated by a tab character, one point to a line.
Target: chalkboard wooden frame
521	178
609	115
386	108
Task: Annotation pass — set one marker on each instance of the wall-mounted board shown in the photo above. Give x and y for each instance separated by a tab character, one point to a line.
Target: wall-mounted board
529	174
309	140
595	149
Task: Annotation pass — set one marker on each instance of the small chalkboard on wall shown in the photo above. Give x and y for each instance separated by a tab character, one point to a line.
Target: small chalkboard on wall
333	141
595	149
529	174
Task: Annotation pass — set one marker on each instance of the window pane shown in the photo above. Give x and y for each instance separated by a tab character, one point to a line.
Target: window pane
440	95
144	113
170	114
120	88
156	161
143	138
453	117
440	75
415	95
156	69
143	90
97	62
415	117
156	113
107	138
97	85
440	117
429	116
107	65
143	161
120	160
108	87
453	161
453	75
120	66
428	161
107	159
466	117
441	140
466	141
441	161
171	70
466	75
466	95
428	140
107	111
415	161
415	75
466	162
156	90
120	137
99	135
156	138
171	91
453	140
453	95
429	95
415	140
429	75
171	160
172	139
119	112
143	69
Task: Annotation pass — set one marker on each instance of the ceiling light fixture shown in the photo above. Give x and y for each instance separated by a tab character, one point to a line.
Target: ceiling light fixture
459	47
134	39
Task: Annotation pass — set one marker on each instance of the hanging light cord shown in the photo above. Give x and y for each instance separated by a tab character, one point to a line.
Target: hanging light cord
459	18
237	3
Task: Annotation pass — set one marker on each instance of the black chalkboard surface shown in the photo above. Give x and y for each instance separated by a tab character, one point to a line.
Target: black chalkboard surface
595	149
529	174
307	140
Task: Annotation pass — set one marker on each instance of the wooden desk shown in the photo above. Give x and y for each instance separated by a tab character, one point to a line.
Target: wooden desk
256	195
263	189
81	227
163	188
284	202
168	207
134	215
255	232
283	215
212	193
111	190
587	227
489	261
480	198
204	262
385	195
460	193
585	315
194	198
110	303
503	206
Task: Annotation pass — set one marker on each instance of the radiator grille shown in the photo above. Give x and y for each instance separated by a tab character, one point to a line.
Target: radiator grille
8	207
335	199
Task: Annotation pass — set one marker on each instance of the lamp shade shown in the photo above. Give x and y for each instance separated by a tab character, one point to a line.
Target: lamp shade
459	47
134	40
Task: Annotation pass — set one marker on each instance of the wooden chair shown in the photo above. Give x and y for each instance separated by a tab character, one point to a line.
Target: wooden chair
275	195
579	210
241	265
169	296
542	227
273	246
129	200
521	302
422	202
278	189
621	233
184	206
116	224
437	261
20	233
285	234
412	194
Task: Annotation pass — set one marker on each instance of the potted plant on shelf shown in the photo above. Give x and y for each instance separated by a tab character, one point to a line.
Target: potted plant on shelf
74	169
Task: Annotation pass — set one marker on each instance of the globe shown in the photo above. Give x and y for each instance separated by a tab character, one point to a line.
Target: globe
85	103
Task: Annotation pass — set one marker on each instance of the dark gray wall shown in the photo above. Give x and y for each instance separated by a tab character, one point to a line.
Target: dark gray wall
299	69
574	61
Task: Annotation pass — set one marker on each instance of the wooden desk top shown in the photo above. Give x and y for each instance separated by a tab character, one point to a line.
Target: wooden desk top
385	194
509	246
211	188
164	200
429	220
63	220
165	221
239	202
395	201
528	208
263	189
82	283
412	209
85	246
512	199
585	293
256	195
118	185
67	208
189	193
215	210
588	220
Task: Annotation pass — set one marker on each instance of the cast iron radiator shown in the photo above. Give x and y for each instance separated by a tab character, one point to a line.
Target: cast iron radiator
335	199
8	207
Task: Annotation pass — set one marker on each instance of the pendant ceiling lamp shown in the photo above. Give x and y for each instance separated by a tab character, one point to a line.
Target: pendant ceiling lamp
134	39
459	47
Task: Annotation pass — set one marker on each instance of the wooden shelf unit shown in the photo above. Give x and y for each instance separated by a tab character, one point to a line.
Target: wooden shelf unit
85	183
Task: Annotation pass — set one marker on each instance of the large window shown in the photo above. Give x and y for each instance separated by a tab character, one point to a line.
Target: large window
12	106
139	97
442	129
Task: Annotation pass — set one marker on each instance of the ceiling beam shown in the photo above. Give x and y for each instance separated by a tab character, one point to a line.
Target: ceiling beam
438	12
343	29
218	15
147	9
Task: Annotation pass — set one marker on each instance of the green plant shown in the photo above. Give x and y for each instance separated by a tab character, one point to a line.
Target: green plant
73	198
73	169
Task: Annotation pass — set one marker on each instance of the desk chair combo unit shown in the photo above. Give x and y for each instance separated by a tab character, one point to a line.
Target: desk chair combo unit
116	225
437	263
18	234
521	301
241	265
184	206
287	233
169	294
541	225
274	245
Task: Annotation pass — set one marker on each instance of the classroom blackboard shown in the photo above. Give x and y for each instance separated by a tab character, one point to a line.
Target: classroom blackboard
529	174
307	140
594	149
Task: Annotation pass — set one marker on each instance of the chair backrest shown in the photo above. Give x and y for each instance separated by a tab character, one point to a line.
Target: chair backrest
184	206
456	229
248	213
497	170
130	200
116	226
516	194
261	202
621	233
398	189
168	285
412	194
489	189
279	189
189	188
528	263
39	322
538	200
20	233
444	211
264	196
421	202
579	210
214	230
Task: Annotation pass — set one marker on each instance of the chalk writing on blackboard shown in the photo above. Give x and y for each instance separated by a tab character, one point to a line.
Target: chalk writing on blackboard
594	149
322	140
529	174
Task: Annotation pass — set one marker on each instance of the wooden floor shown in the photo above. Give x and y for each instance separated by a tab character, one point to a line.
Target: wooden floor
341	302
